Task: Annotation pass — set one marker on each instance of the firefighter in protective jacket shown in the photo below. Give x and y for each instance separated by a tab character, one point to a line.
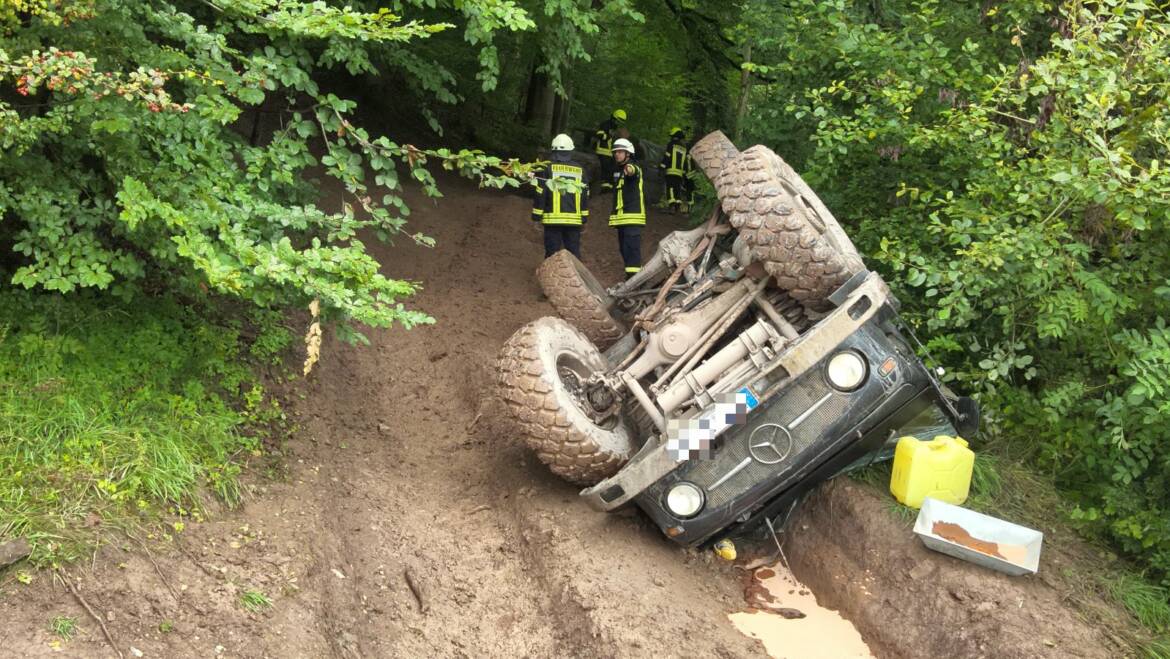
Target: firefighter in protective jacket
603	144
562	212
676	165
629	207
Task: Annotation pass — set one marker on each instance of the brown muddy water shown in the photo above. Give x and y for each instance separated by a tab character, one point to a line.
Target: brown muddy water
784	615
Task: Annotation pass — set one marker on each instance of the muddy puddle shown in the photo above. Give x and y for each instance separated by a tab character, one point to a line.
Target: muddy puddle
784	615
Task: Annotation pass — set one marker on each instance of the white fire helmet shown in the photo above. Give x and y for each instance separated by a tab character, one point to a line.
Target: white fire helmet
562	142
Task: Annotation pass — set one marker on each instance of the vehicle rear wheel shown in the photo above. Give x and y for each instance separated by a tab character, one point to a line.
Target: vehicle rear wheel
795	238
540	374
579	298
713	153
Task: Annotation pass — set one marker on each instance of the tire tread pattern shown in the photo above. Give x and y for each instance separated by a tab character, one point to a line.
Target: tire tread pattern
562	282
537	416
803	261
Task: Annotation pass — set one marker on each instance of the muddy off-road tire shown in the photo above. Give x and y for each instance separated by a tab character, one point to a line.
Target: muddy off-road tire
579	298
786	225
713	153
536	373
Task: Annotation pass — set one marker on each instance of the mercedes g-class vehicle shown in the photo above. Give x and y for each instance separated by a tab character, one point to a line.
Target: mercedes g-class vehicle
750	359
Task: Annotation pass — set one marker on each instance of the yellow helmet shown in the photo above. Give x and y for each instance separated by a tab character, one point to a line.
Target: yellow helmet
619	114
676	131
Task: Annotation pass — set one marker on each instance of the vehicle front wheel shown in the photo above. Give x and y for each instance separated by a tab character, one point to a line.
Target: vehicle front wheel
541	375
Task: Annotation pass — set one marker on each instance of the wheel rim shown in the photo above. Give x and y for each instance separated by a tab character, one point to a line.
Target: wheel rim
591	283
572	373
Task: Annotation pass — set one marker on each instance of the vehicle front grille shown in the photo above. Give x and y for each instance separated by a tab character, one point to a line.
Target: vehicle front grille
734	449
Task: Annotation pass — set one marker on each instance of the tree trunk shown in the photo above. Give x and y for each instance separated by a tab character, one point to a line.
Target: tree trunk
540	102
532	96
545	110
745	88
561	110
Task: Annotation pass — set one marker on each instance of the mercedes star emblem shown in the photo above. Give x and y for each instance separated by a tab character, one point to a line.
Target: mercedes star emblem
770	443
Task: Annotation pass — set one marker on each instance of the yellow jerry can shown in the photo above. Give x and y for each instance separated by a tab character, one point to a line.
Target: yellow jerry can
940	469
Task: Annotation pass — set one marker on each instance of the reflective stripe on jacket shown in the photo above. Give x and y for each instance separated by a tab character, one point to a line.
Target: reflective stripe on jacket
628	200
604	144
676	159
565	208
603	138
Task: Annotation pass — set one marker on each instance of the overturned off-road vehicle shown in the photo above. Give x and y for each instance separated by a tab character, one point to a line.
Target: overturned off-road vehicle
752	358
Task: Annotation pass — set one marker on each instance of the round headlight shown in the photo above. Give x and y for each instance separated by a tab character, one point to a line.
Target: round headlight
846	370
684	500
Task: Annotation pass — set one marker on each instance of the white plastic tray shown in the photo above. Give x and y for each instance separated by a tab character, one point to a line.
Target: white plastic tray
983	527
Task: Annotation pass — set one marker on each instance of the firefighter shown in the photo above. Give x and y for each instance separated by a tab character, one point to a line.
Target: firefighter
676	163
603	145
629	207
692	175
562	213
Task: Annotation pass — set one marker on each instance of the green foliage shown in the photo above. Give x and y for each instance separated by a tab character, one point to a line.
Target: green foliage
652	93
665	62
1147	602
124	167
1003	164
64	627
113	415
254	601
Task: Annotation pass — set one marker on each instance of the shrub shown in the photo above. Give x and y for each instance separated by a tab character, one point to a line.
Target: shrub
1004	165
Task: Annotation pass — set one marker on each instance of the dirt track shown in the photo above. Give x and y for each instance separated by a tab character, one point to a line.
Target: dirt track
386	478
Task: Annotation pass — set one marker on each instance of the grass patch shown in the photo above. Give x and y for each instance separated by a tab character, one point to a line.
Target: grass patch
254	601
904	514
114	417
1157	649
986	481
65	627
1148	602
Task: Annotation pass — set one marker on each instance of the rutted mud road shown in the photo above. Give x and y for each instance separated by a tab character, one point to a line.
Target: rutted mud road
386	477
402	468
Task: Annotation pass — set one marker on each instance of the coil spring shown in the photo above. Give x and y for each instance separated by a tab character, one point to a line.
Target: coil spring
792	310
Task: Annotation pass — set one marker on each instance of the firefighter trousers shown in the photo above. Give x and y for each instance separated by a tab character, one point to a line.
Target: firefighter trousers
606	172
676	190
561	236
630	245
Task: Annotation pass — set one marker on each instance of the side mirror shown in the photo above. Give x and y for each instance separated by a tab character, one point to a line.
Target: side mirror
968	422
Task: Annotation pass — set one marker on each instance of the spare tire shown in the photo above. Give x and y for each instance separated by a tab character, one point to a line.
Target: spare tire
539	375
817	212
579	298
